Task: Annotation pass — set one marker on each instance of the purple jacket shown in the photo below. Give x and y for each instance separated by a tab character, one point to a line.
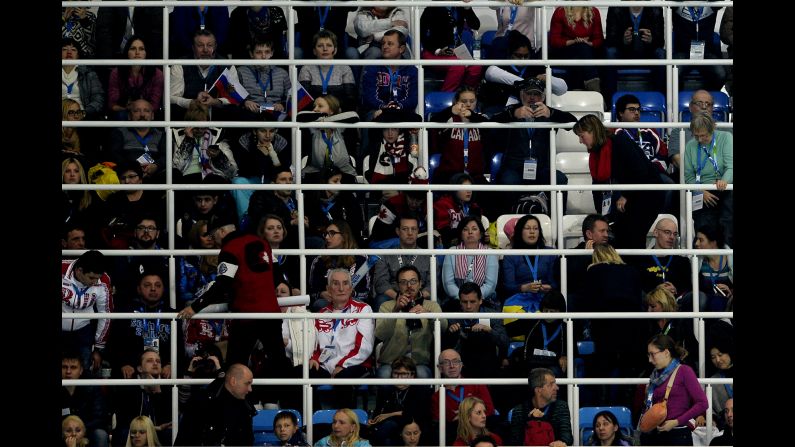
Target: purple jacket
687	400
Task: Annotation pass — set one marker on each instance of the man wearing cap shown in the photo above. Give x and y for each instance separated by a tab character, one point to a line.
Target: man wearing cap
245	272
526	158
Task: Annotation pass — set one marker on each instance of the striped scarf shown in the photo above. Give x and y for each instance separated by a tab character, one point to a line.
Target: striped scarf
478	269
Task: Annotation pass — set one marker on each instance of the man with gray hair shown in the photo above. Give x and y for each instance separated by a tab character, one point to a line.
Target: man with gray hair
245	271
701	102
542	414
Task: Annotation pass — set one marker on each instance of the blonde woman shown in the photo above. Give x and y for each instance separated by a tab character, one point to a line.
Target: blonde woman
472	422
74	431
344	431
576	33
614	286
142	433
72	173
680	329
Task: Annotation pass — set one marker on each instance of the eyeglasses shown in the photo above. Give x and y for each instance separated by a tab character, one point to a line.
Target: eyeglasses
145	229
633	109
409	282
331	233
669	232
702	104
130	177
451	363
75	112
137	432
652	354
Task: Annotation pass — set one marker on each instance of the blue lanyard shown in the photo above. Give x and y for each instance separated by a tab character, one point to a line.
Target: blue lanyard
636	21
714	274
290	205
530	132
146	325
514	10
466	149
460	396
729	389
325	79
326	209
80	294
144	141
329	143
636	137
201	16
394	79
533	268
69	25
519	73
264	87
69	87
322	16
695	13
454	15
465	209
547	341
662	269
700	165
334	326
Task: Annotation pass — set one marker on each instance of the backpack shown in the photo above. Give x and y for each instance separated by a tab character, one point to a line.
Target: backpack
538	432
532	204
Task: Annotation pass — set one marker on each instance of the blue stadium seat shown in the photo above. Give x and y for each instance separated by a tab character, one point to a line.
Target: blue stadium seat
263	425
652	105
623	415
433	162
436	102
496	161
327	416
720	110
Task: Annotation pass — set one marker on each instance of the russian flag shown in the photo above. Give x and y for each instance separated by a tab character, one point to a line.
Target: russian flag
304	100
230	88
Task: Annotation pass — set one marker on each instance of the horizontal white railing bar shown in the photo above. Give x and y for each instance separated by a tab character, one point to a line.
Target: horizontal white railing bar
374	125
391	381
420	3
393	187
398	315
421	251
401	62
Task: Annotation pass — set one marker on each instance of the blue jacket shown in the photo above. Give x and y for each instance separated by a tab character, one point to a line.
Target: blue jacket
516	272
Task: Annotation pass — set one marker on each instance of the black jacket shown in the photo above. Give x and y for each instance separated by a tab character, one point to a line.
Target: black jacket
214	417
557	416
620	18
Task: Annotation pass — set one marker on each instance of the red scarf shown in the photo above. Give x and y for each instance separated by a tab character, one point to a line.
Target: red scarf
599	162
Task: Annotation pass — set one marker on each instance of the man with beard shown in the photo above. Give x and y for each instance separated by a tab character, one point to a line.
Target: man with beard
407	337
127	269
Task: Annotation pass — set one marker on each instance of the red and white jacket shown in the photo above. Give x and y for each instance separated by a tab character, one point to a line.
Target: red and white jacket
77	298
352	339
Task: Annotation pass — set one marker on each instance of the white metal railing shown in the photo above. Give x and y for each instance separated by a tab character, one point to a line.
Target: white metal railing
415	9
